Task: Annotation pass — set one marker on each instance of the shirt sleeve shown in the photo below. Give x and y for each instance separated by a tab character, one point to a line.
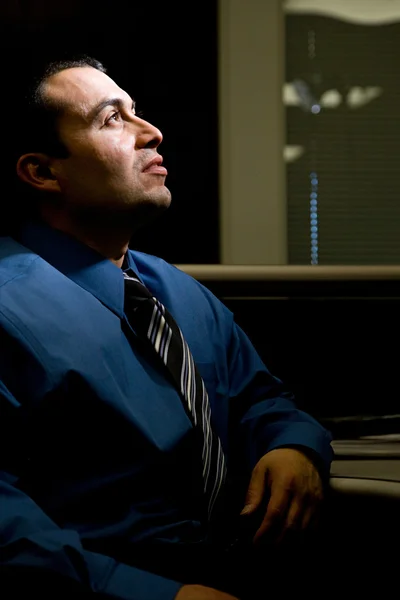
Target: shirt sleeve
38	551
265	413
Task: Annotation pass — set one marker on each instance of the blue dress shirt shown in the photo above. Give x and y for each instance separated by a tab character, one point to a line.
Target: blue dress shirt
97	453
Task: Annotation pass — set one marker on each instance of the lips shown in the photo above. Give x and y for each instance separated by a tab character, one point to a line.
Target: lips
155	167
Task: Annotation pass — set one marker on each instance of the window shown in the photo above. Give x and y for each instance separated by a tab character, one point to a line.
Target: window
342	99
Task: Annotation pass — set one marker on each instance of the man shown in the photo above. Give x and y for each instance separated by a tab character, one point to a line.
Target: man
116	477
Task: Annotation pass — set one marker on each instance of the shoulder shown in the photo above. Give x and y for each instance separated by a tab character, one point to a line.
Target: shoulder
177	289
149	265
21	267
15	260
27	281
159	274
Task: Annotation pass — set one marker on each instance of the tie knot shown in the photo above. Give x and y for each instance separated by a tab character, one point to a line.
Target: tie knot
134	288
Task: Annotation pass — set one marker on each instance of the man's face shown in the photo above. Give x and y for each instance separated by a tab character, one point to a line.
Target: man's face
110	148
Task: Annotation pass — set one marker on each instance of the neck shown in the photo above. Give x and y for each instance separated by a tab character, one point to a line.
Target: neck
108	239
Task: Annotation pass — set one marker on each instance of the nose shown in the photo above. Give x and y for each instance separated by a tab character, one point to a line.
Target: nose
147	135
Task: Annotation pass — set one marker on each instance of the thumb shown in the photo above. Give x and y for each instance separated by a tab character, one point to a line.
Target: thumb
255	491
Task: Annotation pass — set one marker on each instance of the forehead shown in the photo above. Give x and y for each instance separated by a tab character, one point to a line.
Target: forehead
79	89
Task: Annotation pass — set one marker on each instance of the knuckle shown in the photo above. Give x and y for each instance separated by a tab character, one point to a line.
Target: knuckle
318	495
291	485
292	525
286	486
312	494
289	481
259	468
275	512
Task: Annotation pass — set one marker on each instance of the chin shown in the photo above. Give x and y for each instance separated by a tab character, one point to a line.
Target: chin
129	212
146	211
160	197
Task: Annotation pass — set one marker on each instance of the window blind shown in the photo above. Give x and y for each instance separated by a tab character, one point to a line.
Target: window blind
342	97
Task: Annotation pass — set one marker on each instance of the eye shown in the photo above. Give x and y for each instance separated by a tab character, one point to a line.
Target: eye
116	116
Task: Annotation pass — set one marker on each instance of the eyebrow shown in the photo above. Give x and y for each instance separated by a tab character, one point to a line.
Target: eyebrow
117	102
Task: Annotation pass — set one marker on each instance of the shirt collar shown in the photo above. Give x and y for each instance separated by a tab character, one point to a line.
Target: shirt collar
80	263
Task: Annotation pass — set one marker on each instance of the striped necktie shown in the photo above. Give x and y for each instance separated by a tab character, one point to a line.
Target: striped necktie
151	321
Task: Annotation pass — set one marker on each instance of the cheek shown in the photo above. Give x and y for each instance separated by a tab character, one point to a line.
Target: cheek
124	148
120	158
100	160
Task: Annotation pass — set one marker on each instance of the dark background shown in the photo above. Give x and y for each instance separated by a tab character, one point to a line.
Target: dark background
165	55
340	356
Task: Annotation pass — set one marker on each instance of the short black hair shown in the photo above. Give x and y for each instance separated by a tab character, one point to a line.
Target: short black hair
32	128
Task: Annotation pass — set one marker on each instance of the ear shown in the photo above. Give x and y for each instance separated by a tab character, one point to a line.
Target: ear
36	170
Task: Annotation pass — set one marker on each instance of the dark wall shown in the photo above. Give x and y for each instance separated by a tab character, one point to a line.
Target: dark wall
165	55
339	356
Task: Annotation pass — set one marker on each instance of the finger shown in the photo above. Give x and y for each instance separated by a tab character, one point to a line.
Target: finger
293	519
255	491
312	519
308	519
276	510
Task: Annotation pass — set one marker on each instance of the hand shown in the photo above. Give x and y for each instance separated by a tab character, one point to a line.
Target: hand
200	592
295	492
